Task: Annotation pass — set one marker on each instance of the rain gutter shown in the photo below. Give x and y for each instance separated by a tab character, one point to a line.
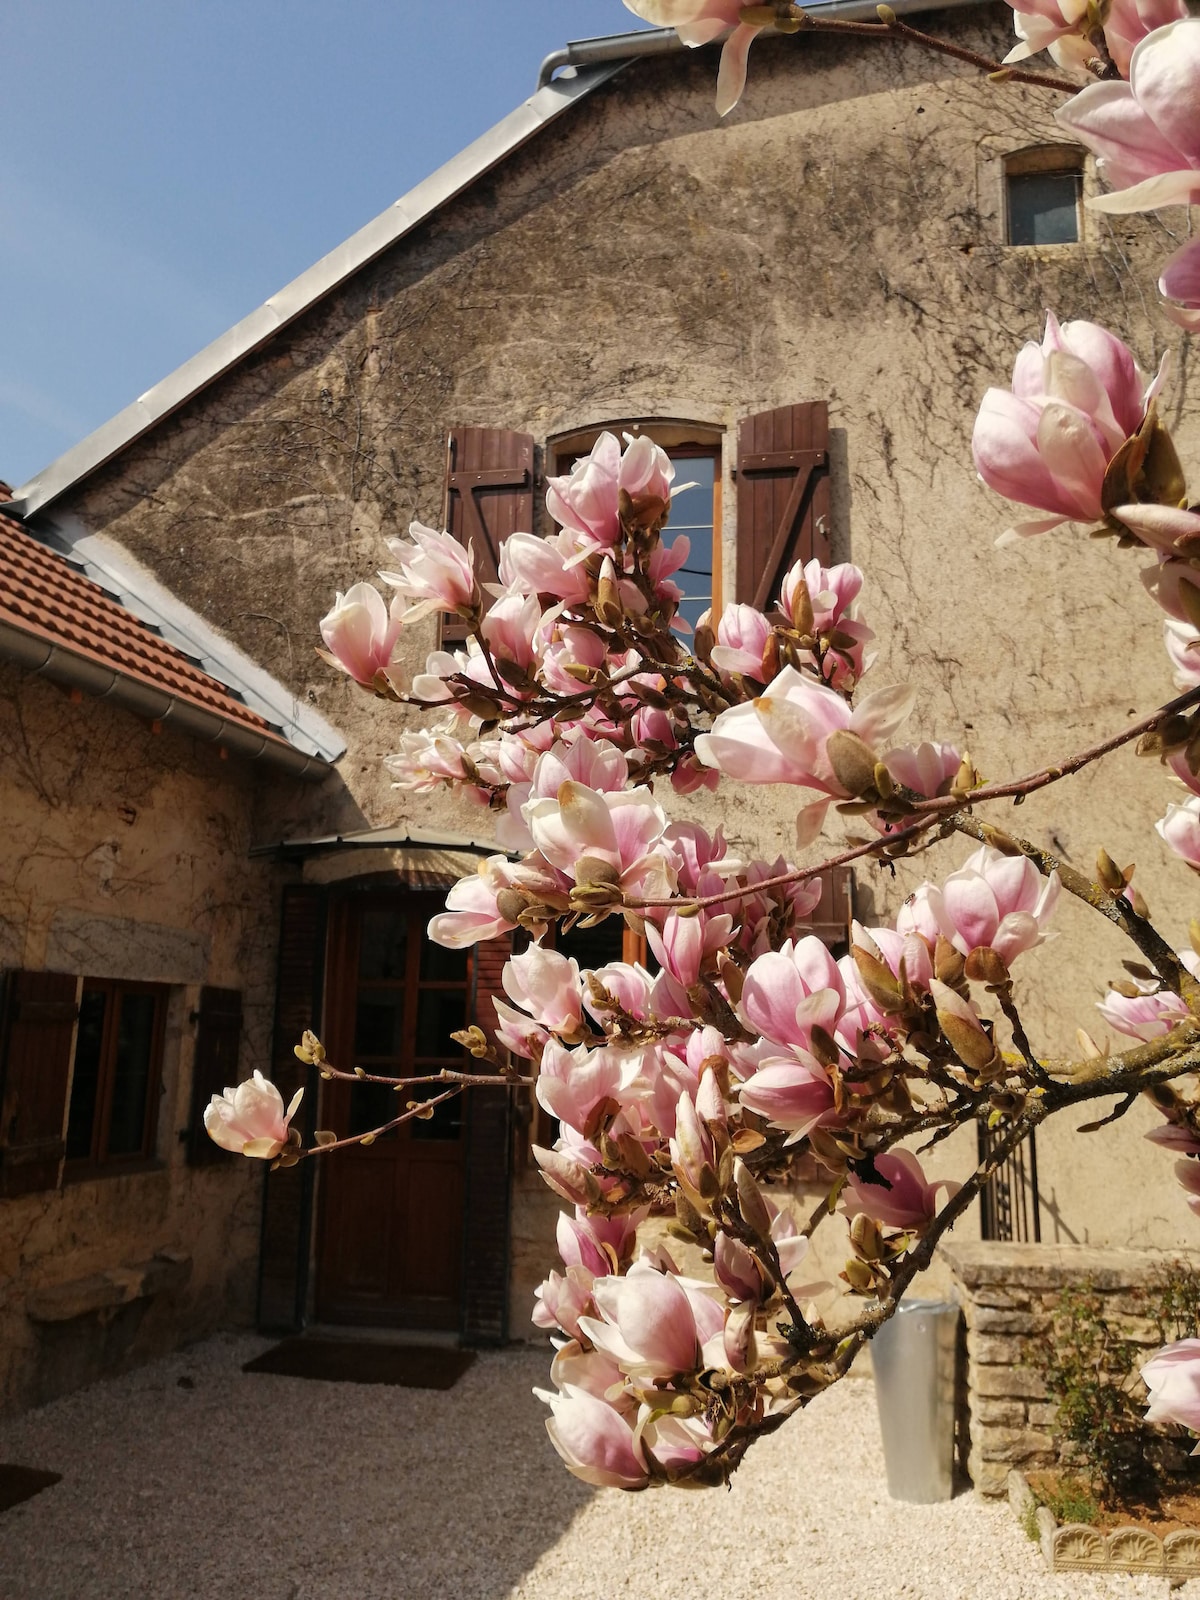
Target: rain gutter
72	671
622	47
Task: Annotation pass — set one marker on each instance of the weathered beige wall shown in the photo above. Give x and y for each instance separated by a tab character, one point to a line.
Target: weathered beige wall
839	236
124	855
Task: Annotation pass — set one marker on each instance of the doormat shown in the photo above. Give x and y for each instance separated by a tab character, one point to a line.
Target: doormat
409	1366
22	1483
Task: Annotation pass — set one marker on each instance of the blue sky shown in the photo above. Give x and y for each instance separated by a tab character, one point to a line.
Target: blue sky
167	166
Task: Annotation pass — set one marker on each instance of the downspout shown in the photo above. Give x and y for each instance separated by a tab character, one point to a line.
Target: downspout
102	682
665	41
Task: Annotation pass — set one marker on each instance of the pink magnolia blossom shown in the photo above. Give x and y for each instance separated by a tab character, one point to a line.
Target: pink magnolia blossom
699	22
998	900
621	830
250	1119
1062	26
571	1083
927	769
595	1441
511	626
789	991
1172	1376
543	567
599	1244
905	1199
361	633
1180	829
1182	643
435	571
1179	286
685	945
473	909
586	501
1147	1015
546	985
1047	442
742	635
833	594
791	1093
562	1299
650	1324
1187	1174
1146	133
781	737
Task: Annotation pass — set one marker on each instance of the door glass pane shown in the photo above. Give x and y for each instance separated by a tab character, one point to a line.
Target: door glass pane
439	965
379	1022
88	1040
446	1121
383	945
440	1012
1043	208
371	1105
131	1074
593	947
692	514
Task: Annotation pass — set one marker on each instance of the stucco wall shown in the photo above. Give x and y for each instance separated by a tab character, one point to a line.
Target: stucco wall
838	237
124	855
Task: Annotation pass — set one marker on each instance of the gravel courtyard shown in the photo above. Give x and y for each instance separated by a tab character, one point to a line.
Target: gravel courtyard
191	1480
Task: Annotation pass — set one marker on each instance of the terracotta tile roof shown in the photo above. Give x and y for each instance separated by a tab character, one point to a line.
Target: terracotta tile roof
44	596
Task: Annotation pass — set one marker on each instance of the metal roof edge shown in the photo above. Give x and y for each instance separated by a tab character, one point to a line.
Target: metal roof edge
333	269
395	836
140	592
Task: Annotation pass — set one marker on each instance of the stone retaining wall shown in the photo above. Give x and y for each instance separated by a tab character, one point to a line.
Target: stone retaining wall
1008	1294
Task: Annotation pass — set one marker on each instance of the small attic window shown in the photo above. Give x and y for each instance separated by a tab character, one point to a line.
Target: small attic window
1043	192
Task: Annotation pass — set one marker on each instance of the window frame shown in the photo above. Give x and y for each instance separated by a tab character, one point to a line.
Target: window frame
98	1162
682	440
1037	160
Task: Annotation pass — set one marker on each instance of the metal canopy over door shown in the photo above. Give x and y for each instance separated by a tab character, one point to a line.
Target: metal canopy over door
391	1214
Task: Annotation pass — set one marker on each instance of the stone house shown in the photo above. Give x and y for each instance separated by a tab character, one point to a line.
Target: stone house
137	940
803	303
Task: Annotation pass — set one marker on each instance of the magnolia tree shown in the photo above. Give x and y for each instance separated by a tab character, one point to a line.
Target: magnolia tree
686	1093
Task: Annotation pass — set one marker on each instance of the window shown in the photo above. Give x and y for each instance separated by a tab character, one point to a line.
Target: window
1043	193
695	453
115	1075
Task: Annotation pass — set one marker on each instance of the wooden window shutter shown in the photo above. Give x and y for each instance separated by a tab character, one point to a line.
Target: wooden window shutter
287	1194
214	1066
39	1026
488	1173
489	495
830	917
782	496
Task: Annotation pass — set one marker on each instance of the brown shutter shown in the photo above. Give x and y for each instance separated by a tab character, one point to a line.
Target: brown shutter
287	1195
830	917
489	1143
39	1026
489	495
782	496
214	1066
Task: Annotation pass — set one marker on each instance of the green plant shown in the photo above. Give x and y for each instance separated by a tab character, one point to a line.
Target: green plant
1070	1501
1092	1372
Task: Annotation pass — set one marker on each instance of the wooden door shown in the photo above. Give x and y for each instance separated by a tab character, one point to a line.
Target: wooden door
391	1215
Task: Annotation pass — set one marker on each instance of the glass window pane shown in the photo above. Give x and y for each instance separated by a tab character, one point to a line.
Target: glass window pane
593	947
379	1022
1043	208
446	1121
383	948
371	1105
440	1012
88	1041
692	516
131	1074
439	965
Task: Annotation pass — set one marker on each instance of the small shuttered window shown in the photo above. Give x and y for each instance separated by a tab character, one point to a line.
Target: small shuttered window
782	496
489	496
40	1012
